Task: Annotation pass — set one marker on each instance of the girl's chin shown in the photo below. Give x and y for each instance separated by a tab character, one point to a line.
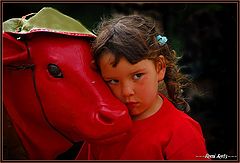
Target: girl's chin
135	114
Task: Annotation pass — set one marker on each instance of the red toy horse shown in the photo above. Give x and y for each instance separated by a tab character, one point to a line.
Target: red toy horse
52	95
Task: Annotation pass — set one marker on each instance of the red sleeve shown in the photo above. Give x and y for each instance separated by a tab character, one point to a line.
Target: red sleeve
187	142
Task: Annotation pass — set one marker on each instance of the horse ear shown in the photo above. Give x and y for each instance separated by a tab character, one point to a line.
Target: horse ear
13	49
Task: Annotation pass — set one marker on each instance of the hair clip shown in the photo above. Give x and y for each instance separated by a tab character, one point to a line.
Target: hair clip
161	39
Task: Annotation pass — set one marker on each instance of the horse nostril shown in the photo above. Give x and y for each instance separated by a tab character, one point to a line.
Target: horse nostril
104	119
108	117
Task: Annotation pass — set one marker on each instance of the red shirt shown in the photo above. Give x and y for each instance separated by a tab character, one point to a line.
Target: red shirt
170	134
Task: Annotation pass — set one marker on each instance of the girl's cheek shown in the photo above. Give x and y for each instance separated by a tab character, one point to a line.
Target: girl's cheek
115	91
142	84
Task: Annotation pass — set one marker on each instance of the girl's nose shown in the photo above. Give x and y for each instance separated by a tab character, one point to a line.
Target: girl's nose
127	90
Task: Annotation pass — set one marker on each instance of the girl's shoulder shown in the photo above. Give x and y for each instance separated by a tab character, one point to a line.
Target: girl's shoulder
186	140
176	117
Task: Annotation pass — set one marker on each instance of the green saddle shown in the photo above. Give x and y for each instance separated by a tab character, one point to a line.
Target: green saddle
47	19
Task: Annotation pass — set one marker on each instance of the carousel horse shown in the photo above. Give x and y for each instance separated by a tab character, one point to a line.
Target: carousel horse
51	92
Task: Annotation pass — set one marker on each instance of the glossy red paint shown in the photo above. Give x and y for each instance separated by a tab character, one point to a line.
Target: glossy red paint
51	113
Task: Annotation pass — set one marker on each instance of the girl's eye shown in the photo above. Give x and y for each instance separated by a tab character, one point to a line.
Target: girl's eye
112	81
137	76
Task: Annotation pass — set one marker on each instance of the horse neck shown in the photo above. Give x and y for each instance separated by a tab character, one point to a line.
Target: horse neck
38	138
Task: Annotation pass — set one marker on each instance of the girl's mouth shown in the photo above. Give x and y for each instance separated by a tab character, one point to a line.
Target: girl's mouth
131	105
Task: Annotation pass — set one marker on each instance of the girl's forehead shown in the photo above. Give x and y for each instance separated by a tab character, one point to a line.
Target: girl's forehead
107	58
106	61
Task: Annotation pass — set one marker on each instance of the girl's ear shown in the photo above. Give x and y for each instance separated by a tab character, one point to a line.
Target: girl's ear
161	67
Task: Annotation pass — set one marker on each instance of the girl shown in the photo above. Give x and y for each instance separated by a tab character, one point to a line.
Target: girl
134	59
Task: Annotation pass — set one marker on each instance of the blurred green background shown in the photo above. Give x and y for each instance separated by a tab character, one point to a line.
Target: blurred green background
203	34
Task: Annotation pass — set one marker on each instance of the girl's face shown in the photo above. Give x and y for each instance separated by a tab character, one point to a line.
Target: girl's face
135	85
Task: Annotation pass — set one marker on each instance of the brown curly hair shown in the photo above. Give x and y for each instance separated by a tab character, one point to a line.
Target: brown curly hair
134	37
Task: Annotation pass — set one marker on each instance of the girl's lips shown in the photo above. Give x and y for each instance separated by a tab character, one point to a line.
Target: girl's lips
131	104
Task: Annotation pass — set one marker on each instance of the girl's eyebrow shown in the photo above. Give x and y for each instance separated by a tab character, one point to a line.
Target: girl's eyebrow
108	78
138	71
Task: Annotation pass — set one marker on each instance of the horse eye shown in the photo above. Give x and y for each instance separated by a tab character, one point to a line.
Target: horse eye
55	71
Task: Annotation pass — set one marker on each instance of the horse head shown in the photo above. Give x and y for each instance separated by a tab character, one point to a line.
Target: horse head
51	92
